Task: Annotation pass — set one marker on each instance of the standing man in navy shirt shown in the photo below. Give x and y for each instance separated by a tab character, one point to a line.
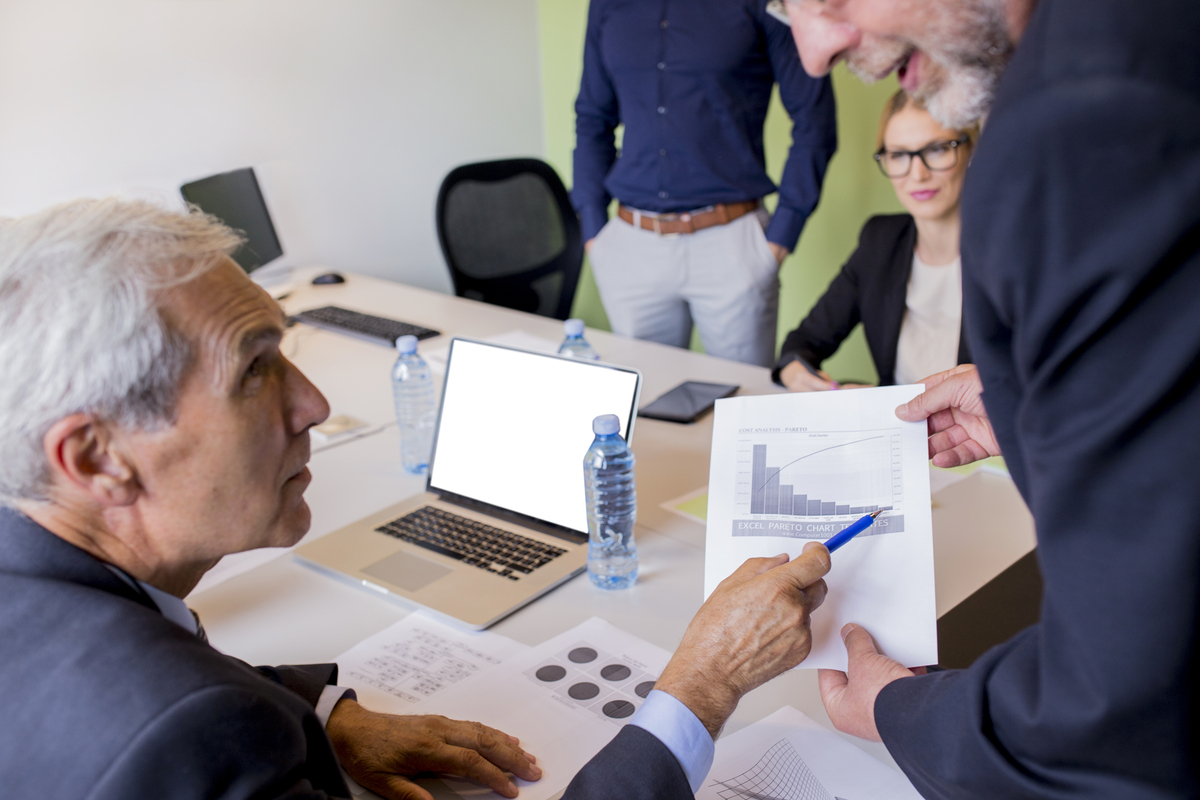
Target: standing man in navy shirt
691	81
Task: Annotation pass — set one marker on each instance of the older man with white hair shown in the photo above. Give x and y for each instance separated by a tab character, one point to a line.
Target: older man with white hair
150	425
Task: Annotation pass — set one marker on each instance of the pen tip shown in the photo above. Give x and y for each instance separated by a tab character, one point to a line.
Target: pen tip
875	514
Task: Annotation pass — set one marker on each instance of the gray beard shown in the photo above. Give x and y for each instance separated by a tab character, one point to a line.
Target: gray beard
973	50
964	98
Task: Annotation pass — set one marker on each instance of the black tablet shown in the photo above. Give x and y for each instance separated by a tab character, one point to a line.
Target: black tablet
688	401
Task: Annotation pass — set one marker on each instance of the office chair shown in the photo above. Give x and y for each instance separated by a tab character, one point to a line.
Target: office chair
510	236
235	199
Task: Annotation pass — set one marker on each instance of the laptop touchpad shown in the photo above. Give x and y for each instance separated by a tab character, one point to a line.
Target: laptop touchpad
408	572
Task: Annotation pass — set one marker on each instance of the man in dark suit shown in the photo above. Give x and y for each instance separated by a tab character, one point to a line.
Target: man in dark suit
1081	261
150	425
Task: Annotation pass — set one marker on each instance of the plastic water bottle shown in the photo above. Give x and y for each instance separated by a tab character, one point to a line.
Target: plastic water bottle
416	408
575	345
611	506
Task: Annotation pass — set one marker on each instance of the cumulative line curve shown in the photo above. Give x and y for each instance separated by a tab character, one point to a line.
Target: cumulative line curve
813	453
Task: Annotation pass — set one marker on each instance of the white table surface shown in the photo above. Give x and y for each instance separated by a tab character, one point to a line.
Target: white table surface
284	612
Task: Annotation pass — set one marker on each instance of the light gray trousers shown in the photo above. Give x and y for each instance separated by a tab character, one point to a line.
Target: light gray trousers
723	279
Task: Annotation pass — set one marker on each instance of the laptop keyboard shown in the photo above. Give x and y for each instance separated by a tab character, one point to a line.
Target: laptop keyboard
380	329
497	551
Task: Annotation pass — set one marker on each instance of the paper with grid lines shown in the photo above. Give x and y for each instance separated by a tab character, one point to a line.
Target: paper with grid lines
787	756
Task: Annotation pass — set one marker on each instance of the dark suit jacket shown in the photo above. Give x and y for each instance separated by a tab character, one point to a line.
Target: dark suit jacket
633	766
871	288
1081	260
102	697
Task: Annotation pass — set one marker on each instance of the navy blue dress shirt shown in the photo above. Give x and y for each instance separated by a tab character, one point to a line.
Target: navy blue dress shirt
691	81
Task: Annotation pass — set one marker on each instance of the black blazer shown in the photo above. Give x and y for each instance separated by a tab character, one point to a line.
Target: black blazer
871	288
1081	279
104	698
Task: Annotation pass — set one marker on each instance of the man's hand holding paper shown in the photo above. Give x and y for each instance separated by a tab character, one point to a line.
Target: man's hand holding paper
959	433
849	697
959	429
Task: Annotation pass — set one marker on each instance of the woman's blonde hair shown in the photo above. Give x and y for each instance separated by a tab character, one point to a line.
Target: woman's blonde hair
902	100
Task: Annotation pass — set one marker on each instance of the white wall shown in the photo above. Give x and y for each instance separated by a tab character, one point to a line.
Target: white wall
351	111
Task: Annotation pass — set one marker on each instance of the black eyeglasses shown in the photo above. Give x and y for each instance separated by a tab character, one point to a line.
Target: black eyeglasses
936	156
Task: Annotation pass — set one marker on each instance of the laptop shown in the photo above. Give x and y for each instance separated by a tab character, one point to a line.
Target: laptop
502	520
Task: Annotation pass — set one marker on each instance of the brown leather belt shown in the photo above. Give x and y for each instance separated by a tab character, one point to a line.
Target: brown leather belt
687	221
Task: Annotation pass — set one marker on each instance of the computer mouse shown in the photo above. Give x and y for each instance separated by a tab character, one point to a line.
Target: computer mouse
328	278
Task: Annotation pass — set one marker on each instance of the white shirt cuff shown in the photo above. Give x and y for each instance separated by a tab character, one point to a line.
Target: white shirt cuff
663	716
329	698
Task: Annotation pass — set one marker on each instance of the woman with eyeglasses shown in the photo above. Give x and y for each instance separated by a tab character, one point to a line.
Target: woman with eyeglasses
904	282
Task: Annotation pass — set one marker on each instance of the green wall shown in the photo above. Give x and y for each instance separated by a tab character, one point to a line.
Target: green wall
854	189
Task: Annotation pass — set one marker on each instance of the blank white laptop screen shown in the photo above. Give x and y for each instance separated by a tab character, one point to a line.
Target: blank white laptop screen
514	428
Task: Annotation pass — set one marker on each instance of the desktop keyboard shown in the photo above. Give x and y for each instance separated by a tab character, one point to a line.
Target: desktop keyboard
492	549
364	326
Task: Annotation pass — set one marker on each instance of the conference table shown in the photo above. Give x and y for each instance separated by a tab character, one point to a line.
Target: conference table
280	611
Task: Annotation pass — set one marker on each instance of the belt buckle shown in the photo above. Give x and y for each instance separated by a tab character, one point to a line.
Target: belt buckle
657	222
686	216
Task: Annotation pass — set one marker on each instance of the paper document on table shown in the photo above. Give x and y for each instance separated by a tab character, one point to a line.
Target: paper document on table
792	468
787	756
564	699
403	667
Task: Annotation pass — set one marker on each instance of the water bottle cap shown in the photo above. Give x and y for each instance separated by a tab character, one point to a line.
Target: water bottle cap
407	345
573	327
606	425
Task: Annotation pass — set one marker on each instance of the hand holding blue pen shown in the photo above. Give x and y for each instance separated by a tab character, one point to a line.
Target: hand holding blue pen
848	533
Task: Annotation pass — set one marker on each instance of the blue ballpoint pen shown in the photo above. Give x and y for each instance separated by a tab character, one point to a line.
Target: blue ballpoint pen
848	533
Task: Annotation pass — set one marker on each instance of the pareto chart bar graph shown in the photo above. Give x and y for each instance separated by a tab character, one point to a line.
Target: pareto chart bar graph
811	484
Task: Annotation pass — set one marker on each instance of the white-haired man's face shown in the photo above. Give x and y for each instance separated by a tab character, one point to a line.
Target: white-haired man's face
949	54
229	474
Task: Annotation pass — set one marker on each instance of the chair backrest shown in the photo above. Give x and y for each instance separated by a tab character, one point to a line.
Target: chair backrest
510	236
235	199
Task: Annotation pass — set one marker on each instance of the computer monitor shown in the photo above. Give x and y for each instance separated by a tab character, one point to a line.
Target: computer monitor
235	199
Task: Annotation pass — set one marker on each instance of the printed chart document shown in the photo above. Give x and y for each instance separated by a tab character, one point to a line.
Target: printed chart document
792	468
787	756
564	699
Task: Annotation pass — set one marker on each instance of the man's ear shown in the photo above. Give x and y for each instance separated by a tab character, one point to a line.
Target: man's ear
82	454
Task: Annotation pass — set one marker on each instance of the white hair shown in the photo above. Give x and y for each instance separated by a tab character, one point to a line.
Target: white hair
80	328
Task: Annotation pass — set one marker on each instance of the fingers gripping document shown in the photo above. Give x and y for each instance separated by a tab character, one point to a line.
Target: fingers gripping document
790	469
